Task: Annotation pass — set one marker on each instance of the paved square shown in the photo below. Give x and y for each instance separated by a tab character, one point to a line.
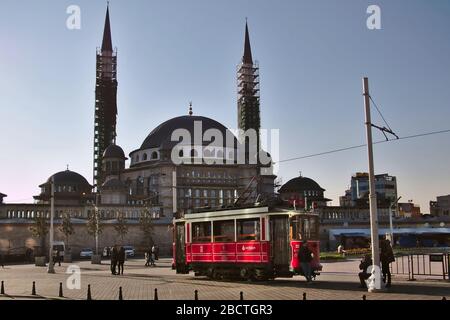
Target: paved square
338	281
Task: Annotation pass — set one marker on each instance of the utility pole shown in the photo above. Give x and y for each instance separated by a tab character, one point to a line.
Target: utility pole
51	267
375	284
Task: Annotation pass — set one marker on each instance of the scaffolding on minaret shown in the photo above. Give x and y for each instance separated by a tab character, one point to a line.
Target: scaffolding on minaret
105	100
248	90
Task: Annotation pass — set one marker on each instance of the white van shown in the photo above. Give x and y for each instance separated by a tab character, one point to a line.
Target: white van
59	245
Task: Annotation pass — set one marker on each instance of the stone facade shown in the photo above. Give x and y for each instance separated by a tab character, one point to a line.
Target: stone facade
16	237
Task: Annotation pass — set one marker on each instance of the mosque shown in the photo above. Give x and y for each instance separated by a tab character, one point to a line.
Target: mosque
209	175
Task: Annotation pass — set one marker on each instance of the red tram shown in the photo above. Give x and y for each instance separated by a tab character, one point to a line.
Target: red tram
248	243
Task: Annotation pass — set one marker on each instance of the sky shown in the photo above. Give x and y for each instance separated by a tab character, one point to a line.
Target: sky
312	57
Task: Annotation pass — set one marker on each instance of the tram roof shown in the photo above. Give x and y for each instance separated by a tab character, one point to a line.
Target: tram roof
242	212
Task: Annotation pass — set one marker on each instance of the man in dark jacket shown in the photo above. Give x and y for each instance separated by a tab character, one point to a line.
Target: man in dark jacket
121	260
114	257
364	275
305	258
386	257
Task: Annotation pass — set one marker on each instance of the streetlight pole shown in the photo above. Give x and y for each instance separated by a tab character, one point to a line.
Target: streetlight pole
376	274
390	220
51	267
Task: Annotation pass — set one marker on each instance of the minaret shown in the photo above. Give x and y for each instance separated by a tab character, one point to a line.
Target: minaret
248	90
105	99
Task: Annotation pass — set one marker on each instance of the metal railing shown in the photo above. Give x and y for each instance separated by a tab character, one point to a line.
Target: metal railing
420	264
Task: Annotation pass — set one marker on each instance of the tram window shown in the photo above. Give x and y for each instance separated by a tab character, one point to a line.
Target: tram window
224	231
247	229
201	232
304	228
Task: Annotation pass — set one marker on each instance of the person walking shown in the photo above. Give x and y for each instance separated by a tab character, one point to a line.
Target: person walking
386	257
148	254
152	256
57	257
121	260
114	258
305	258
156	252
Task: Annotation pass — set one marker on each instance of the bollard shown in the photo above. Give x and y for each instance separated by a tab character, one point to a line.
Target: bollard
89	296
2	289
241	294
33	290
156	294
304	295
364	297
60	290
120	293
196	295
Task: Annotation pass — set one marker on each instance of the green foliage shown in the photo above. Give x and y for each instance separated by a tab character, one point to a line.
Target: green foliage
40	230
121	226
146	225
40	227
94	225
66	227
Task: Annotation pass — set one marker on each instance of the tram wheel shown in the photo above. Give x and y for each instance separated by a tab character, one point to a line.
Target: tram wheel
244	273
216	275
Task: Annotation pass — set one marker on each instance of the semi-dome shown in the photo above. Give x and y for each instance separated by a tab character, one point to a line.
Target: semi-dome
300	184
161	136
114	151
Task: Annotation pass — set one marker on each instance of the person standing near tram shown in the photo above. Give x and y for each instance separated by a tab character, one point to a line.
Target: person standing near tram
305	257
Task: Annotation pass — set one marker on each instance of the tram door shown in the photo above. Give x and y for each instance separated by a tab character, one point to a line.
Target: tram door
279	243
180	249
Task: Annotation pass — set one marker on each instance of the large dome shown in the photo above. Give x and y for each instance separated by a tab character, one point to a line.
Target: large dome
160	137
300	184
69	178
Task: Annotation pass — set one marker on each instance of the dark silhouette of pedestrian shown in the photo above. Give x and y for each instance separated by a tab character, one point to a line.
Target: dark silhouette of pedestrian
148	254
152	256
305	258
386	257
366	262
156	252
57	257
114	259
121	260
2	260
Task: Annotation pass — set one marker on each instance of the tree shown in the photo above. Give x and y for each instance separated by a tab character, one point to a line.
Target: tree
94	225
122	226
146	225
40	230
66	227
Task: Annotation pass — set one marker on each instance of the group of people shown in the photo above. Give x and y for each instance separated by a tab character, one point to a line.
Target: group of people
117	260
386	258
151	255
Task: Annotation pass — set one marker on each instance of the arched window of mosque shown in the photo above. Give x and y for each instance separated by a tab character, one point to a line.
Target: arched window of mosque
154	155
108	166
137	158
144	157
219	154
180	153
230	155
114	166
